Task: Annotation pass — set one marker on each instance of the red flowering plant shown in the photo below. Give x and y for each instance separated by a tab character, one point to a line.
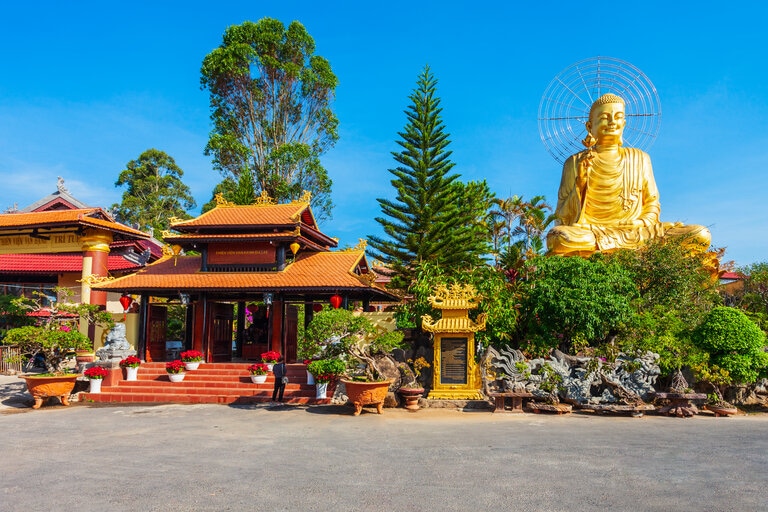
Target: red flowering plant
176	366
270	356
191	356
130	362
96	372
258	369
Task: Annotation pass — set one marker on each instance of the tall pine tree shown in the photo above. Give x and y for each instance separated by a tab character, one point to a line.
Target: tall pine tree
429	219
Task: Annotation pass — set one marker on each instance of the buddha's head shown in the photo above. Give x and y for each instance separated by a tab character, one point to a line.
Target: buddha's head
607	119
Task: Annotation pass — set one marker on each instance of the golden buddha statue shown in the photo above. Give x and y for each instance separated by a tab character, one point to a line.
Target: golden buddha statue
608	197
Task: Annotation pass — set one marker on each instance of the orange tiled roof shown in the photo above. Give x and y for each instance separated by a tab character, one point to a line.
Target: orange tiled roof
310	272
289	214
91	217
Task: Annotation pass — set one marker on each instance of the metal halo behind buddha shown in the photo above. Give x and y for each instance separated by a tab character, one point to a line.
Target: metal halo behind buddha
565	104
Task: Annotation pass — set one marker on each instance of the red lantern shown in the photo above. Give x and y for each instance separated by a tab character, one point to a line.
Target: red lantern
125	301
336	301
317	307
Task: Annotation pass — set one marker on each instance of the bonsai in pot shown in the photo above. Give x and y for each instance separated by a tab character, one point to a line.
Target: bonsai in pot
53	343
52	346
340	334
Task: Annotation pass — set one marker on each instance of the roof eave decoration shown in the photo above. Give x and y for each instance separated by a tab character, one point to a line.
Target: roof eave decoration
455	302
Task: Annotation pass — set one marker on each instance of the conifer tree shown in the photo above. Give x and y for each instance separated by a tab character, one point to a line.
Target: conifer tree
429	219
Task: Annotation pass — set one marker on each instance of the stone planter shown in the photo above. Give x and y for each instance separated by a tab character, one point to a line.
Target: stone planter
367	393
41	388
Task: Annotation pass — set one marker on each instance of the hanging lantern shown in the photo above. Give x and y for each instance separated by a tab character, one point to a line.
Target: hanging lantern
125	301
317	307
295	247
336	300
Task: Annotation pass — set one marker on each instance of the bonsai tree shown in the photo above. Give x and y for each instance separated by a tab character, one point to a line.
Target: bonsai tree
51	344
55	338
340	334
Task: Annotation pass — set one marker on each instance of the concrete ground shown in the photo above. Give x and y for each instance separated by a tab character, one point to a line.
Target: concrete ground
321	458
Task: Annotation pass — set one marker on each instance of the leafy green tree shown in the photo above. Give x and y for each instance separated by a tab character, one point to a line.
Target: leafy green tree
571	303
270	98
427	220
154	192
753	298
734	343
675	292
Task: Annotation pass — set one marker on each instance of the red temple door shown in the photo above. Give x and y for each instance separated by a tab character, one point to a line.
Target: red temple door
158	318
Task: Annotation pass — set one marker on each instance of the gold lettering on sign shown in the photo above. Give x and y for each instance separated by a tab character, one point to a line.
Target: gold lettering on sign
453	357
52	243
231	253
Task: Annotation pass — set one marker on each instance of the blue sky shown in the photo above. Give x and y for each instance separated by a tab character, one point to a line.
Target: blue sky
86	87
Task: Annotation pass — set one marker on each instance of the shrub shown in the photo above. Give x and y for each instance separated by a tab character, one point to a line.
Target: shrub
734	343
326	370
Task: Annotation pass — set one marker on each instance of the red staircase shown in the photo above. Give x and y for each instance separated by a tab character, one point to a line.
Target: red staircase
211	383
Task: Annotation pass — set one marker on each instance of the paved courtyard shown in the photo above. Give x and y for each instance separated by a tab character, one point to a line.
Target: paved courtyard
215	457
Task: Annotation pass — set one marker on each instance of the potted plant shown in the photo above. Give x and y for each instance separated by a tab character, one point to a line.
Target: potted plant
412	389
325	371
270	358
192	359
95	375
258	373
175	370
341	334
52	347
131	365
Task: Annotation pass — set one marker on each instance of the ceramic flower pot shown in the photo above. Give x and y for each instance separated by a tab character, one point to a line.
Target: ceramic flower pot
321	390
95	385
310	379
131	373
191	365
258	379
176	377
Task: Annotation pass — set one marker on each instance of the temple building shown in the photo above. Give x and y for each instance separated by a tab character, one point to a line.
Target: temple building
59	241
247	274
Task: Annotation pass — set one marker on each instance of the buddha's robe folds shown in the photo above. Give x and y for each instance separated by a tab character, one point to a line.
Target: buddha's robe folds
617	208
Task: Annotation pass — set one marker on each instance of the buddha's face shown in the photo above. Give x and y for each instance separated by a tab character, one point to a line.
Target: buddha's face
607	121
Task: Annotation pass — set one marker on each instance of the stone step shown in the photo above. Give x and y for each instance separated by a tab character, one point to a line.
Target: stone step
212	383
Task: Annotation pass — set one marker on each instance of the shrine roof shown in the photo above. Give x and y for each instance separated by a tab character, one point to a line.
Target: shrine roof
55	263
321	271
288	214
87	217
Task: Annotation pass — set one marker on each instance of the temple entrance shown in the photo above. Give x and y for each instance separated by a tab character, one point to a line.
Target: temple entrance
222	316
156	337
